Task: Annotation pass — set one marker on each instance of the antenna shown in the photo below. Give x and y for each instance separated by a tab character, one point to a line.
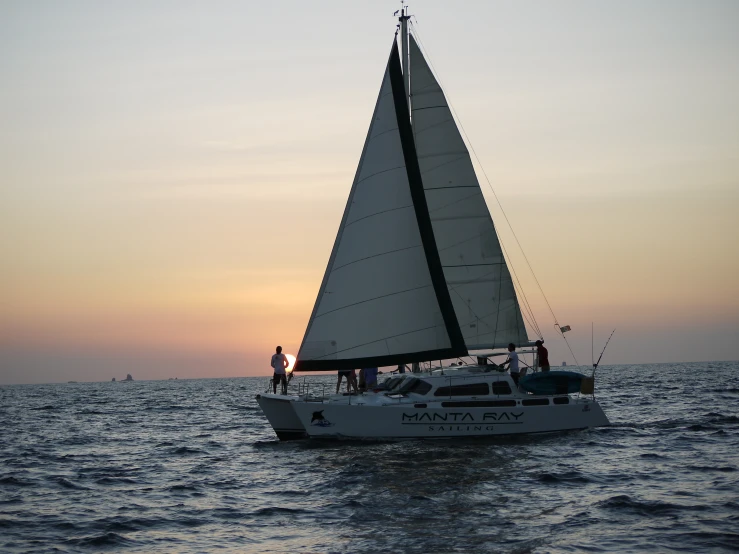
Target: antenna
404	17
595	365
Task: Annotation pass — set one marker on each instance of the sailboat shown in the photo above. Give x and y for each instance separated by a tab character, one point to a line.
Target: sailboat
417	274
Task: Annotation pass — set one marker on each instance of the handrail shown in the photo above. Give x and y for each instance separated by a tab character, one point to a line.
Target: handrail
310	390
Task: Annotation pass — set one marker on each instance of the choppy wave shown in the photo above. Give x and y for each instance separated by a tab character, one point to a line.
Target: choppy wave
193	466
109	539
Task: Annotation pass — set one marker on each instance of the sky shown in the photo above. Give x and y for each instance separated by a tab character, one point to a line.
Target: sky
173	174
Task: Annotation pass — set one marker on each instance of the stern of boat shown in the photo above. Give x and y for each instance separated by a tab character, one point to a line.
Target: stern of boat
594	414
279	412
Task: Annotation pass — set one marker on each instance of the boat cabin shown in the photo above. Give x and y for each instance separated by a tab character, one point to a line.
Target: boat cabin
451	387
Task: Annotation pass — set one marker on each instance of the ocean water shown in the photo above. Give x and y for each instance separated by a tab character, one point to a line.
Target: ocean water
193	466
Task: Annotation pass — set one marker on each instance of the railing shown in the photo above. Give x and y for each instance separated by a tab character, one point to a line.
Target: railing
312	391
302	388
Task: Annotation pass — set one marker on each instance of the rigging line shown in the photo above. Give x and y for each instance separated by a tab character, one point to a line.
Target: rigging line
497	312
378	213
556	325
472	265
420	91
527	312
482	319
527	305
375	256
478	279
533	325
461	217
497	316
529	321
430	169
520	288
437	124
386	131
427	107
460	242
471	310
453	187
374	341
380	172
451	106
528	316
478	193
454	289
370	300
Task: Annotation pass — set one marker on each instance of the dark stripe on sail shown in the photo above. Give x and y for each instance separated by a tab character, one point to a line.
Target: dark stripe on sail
418	195
377	361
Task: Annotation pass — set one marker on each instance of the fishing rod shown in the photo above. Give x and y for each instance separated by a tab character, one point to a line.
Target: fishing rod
595	365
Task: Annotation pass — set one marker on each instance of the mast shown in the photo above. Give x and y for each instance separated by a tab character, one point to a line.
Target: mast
404	17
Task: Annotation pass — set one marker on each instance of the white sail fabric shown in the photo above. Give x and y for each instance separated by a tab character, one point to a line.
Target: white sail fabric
377	298
475	271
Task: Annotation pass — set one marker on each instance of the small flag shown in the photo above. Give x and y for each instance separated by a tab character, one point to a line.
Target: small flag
565	329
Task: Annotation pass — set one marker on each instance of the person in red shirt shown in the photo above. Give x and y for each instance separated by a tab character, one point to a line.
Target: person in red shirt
543	355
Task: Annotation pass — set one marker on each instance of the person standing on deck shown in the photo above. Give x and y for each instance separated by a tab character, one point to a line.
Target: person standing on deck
370	377
351	380
543	355
342	373
513	363
279	364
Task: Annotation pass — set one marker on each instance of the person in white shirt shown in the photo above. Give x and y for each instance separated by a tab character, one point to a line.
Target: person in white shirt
279	364
513	363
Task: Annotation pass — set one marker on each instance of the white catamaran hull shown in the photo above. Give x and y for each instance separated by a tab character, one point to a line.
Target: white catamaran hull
406	422
297	418
281	416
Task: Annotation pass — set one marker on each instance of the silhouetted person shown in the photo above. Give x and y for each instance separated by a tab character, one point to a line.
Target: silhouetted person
543	355
370	377
351	380
279	364
512	361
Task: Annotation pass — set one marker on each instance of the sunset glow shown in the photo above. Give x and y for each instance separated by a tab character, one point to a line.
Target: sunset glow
168	204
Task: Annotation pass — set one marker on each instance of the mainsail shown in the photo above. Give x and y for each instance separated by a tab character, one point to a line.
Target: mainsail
416	272
474	267
384	298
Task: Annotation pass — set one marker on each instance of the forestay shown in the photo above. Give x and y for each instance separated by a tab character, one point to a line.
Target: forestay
474	267
383	299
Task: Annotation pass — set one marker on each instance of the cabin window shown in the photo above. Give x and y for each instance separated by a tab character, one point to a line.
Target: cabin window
470	389
479	404
562	400
417	386
422	387
501	387
536	402
392	383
